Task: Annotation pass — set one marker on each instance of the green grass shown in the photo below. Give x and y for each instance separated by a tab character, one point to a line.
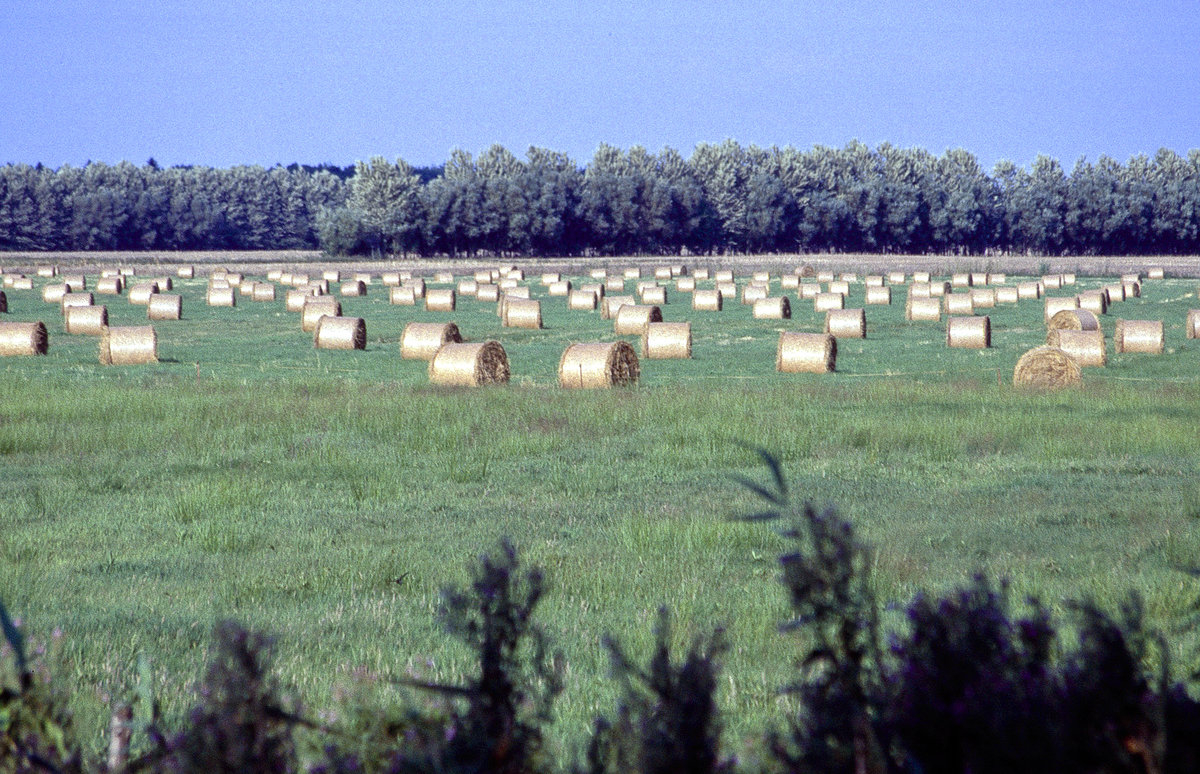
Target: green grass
326	497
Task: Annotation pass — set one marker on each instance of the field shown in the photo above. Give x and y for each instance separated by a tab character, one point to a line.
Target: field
327	496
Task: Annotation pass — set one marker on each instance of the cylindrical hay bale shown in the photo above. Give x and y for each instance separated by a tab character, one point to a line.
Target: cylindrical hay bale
443	277
21	283
47	271
1131	277
997	278
234	278
1029	290
317	307
220	284
1115	291
1193	324
789	281
1056	304
53	294
825	275
811	353
728	289
921	276
140	292
754	292
923	310
685	284
128	345
331	275
654	295
466	287
1046	368
164	307
662	272
1074	320
723	275
221	296
299	280
632	319
77	299
1052	281
982	298
488	293
1132	289
598	364
958	304
421	341
896	278
825	302
74	282
108	272
775	308
550	277
610	304
513	273
110	286
873	280
979	278
508	283
920	290
340	333
581	300
808	291
1068	279
439	300
1155	273
126	271
522	313
969	332
667	341
598	273
279	275
940	289
263	291
846	323
1145	336
469	365
515	292
1086	348
390	279
21	338
353	287
295	298
840	286
559	288
404	295
678	270
962	280
86	320
880	295
418	286
363	277
1095	301
164	283
702	274
1007	295
707	300
246	288
632	272
614	284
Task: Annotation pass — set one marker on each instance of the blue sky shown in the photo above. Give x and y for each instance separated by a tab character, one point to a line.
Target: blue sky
224	83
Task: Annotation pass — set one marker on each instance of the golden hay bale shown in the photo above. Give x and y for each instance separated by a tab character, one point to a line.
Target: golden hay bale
614	284
707	300
1155	273
678	270
702	274
826	302
1029	290
86	320
598	364
363	277
234	278
632	319
340	333
1193	324
443	277
982	298
508	283
789	281
723	275
973	332
998	278
484	276
126	271
109	272
962	280
331	275
522	313
595	287
469	365
128	345
140	292
110	286
839	286
1056	304
390	279
21	338
728	289
402	296
417	284
632	272
774	308
662	272
353	287
761	277
667	341
1087	348
813	353
1046	368
263	291
922	276
47	271
598	273
1115	292
1052	281
1074	320
488	292
808	291
278	275
513	273
550	277
1144	336
896	278
559	288
53	294
847	276
979	278
610	304
940	289
515	292
1095	301
654	295
846	323
19	283
1007	295
246	288
581	300
920	290
754	292
221	296
923	310
421	341
1068	279
958	304
1131	277
164	283
316	307
76	299
1132	289
825	275
439	300
466	287
685	284
164	307
873	280
74	282
879	295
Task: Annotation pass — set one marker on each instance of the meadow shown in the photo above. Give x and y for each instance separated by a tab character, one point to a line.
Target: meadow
326	497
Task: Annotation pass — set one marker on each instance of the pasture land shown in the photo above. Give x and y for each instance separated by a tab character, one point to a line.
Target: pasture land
326	497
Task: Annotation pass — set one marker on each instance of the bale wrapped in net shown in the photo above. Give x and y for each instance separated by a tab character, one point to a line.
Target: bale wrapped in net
1074	320
164	306
1144	336
813	353
340	333
85	320
221	296
632	319
969	332
23	338
707	299
522	313
923	309
581	300
316	307
128	345
1192	326
598	364
1046	368
1087	348
846	323
469	365
421	341
774	308
667	341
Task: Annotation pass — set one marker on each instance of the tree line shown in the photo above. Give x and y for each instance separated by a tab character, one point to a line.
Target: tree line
724	198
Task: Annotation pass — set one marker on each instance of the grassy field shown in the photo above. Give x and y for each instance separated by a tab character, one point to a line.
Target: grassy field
326	497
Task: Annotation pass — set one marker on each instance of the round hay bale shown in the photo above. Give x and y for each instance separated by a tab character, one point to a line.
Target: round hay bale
873	280
86	320
522	313
763	277
128	345
826	302
390	279
1132	289
110	286
923	310
1095	301
789	281
1056	304
667	341
707	300
340	333
417	284
77	299
469	365
109	272
164	307
354	287
443	277
1068	279
164	283
1052	281
921	276
221	296
331	275
1087	348
23	338
774	308
126	271
997	278
593	365
879	295
969	332
508	283
515	292
363	277
484	276
598	273
263	291
610	304
1046	368
1074	320
53	294
234	278
141	291
1029	290
550	277
47	271
678	270
316	307
21	283
1193	324
958	304
654	295
1155	272
246	288
559	288
807	291
1144	336
488	293
920	290
840	286
982	298
662	272
728	289
513	273
896	278
614	284
754	292
825	276
812	353
581	300
402	296
846	323
74	282
421	341
1115	292
632	319
847	276
940	289
1007	295
962	280
439	300
702	274
632	272
595	287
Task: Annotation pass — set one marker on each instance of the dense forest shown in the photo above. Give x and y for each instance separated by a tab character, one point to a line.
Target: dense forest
725	198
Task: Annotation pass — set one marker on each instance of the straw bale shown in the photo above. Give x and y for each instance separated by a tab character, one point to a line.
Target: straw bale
390	279
513	273
973	332
483	276
920	290
439	300
1115	292
654	295
632	319
469	365
164	283
1193	324
610	304
847	276
443	277
662	272
1155	273
221	296
559	288
813	353
466	287
74	282
22	283
998	278
508	283
982	297
263	291
110	286
678	270
632	272
316	307
763	277
723	275
86	320
128	345
246	288
754	292
363	277
1046	368
77	299
825	276
923	309
595	287
126	271
1056	304
958	304
1068	279
422	340
515	292
53	294
1007	295
667	341
340	333
598	273
773	308
1095	301
1087	348
353	287
728	288
701	274
522	313
1029	290
806	271
140	292
962	280
234	278
331	275
685	284
614	284
404	295
165	307
922	276
1144	336
592	365
417	284
23	338
1052	281
846	323
109	272
873	280
581	300
789	281
707	300
940	289
277	275
880	295
47	271
299	280
896	278
1074	320
550	277
839	286
1132	289
979	278
488	293
295	297
824	302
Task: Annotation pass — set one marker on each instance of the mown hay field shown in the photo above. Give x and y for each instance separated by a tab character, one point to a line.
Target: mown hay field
327	495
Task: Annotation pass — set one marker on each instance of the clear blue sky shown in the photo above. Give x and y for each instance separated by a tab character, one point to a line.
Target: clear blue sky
244	82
